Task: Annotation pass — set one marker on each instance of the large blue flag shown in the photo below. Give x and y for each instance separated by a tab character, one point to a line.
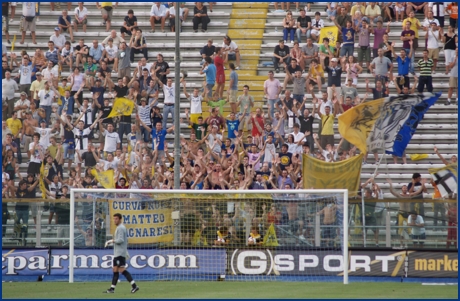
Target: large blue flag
398	121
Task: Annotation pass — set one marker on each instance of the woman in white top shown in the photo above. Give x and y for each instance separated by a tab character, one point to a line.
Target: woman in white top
353	69
76	80
292	146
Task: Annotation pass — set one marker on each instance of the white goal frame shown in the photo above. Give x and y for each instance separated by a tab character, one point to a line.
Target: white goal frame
344	192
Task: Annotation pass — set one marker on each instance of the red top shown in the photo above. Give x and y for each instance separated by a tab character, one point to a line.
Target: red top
255	131
219	62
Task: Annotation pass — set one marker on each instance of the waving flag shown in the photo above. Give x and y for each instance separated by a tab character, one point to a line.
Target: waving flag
385	124
122	106
356	124
104	177
445	178
398	122
418	157
330	32
41	181
12	44
347	174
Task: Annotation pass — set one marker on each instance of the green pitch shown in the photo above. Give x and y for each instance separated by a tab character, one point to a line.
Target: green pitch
212	290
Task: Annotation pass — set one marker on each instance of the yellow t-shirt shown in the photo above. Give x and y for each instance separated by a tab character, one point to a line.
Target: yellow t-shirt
413	25
317	71
354	8
328	124
104	4
37	86
61	91
53	150
14	125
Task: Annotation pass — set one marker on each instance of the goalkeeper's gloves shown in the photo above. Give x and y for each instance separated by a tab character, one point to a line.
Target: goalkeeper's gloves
107	243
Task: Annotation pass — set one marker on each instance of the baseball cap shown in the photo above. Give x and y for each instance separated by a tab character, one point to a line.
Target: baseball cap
43	121
334	60
23	93
143	99
38	73
57	28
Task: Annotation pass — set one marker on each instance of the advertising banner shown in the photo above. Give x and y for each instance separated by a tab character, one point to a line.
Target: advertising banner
385	263
181	262
433	264
146	221
214	261
25	262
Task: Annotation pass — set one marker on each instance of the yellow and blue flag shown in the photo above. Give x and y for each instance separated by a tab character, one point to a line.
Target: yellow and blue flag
385	124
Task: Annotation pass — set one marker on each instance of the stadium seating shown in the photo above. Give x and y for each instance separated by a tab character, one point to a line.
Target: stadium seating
256	32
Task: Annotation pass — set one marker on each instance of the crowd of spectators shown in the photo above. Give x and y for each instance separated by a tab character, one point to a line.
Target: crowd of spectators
67	134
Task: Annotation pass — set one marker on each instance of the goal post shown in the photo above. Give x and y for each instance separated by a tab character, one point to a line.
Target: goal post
253	235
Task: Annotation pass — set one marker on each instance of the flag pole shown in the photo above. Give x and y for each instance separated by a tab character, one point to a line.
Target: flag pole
177	101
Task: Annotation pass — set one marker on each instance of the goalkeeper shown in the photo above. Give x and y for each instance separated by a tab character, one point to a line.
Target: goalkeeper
120	251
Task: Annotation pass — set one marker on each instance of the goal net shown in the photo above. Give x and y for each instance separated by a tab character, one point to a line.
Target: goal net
251	235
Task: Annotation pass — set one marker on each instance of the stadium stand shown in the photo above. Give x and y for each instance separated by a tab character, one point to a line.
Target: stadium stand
256	28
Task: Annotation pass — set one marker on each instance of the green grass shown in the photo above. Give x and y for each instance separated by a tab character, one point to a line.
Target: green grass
215	290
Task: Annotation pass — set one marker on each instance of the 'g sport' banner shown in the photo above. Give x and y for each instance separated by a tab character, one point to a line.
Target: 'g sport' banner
146	221
385	263
180	262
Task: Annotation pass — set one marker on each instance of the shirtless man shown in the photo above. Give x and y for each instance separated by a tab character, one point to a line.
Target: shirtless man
404	208
216	174
28	131
193	144
296	225
146	163
329	213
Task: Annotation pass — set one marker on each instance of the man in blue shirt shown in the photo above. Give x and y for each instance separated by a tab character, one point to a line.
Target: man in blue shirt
210	70
158	137
404	62
233	125
52	54
96	52
348	44
65	23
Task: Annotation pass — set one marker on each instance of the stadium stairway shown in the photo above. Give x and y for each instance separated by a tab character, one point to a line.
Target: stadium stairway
252	26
